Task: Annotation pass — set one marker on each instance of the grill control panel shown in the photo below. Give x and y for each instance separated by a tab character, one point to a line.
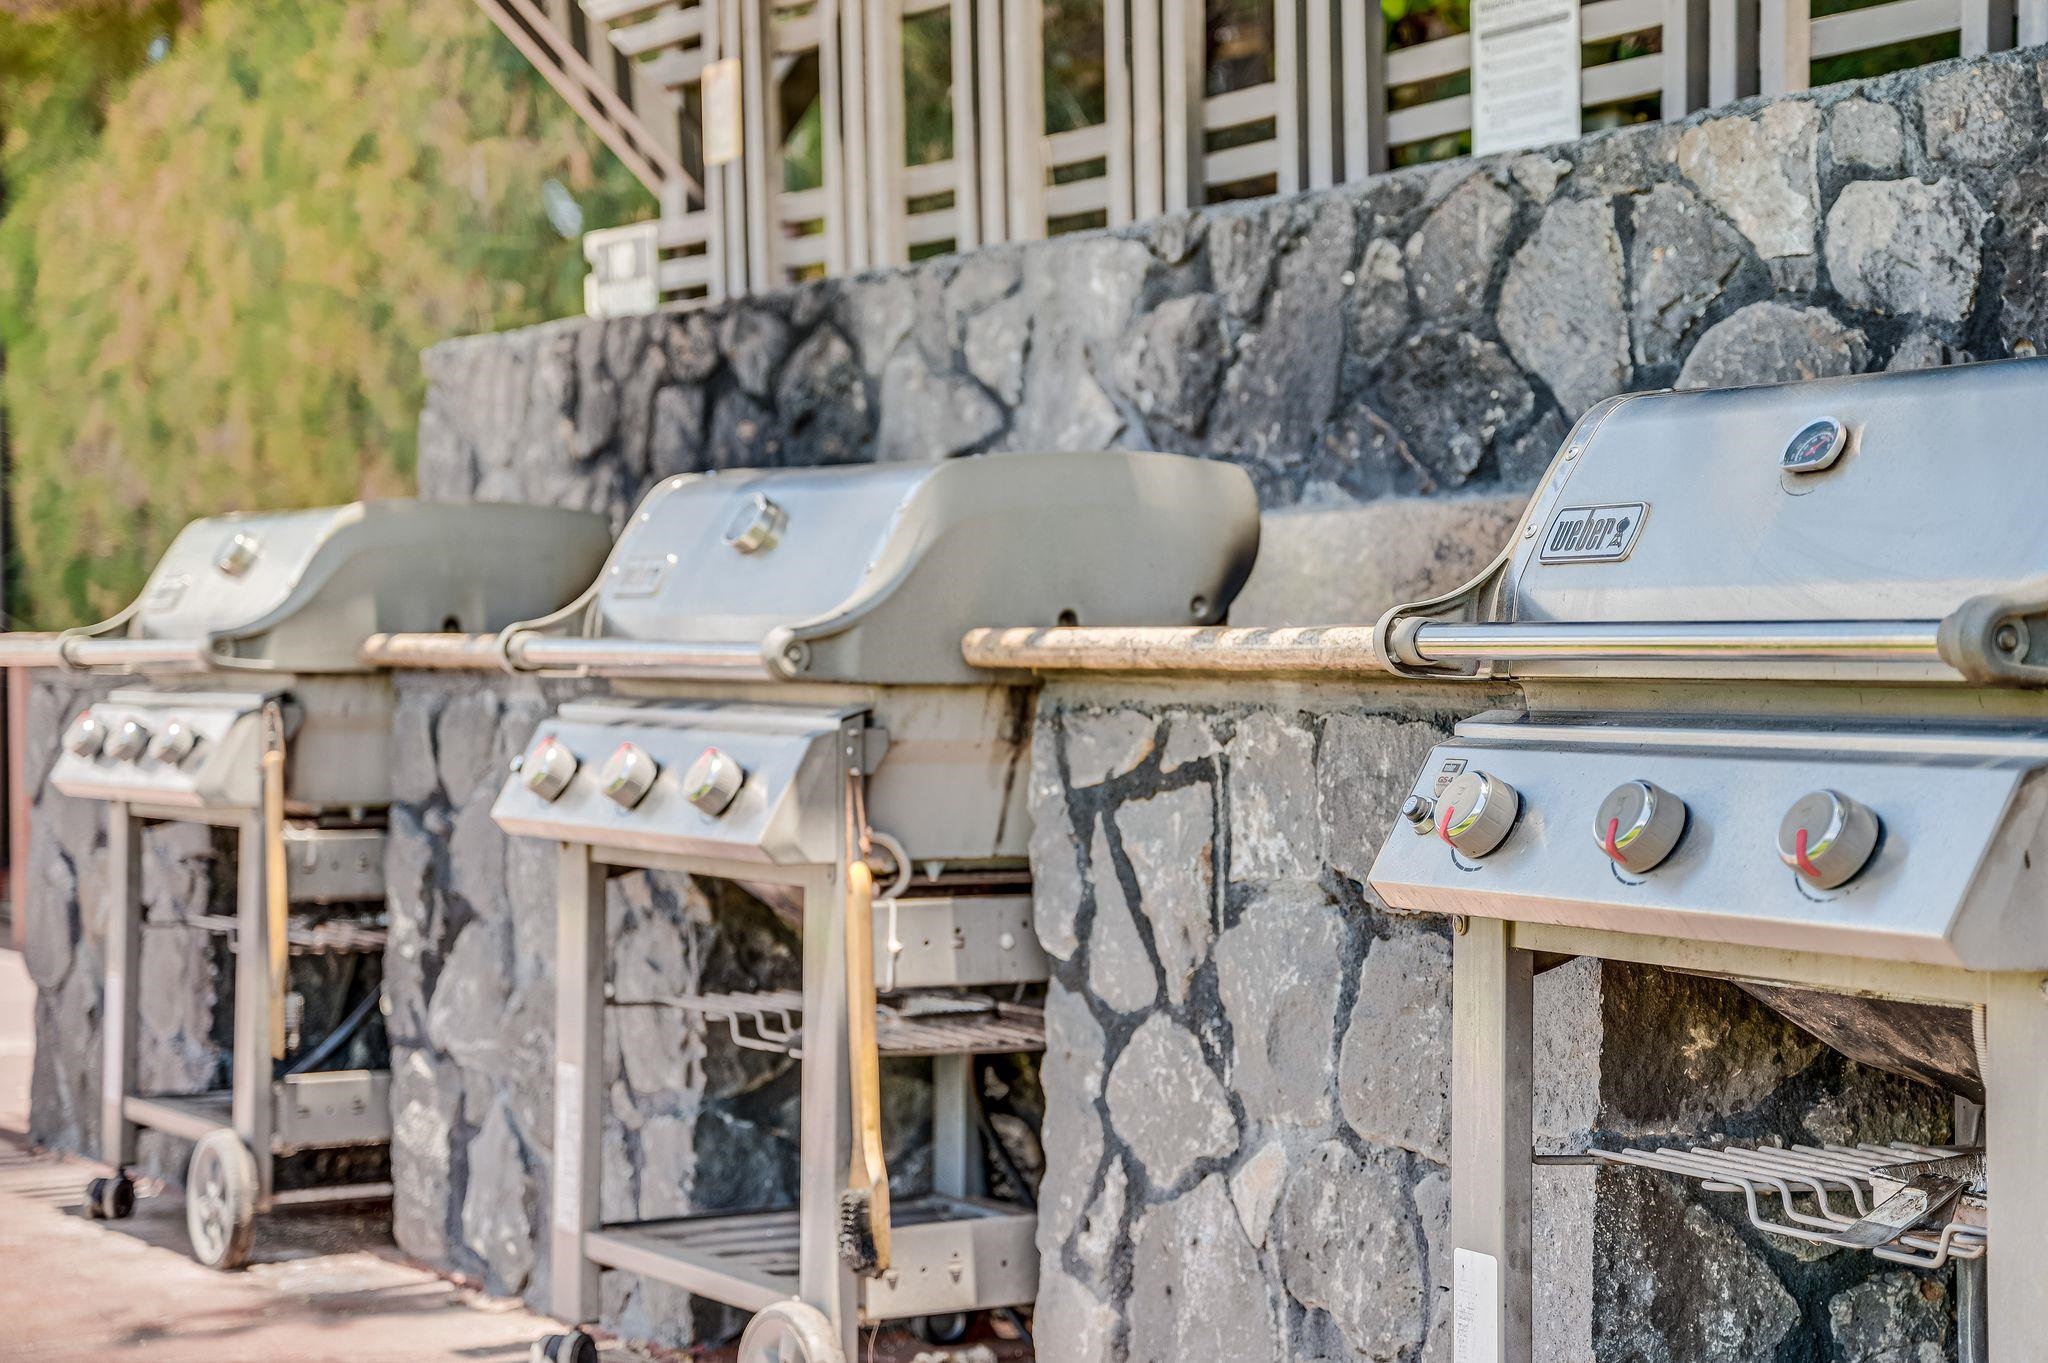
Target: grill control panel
1932	879
178	749
722	781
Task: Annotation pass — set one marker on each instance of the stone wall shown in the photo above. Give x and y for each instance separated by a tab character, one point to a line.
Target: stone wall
1248	1126
1432	330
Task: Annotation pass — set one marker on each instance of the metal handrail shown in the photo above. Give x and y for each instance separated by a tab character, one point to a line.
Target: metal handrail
539	652
1860	641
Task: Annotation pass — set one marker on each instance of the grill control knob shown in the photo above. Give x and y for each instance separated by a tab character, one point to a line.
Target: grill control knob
1638	824
549	768
1827	837
1420	812
1475	812
175	743
86	736
628	775
712	781
129	741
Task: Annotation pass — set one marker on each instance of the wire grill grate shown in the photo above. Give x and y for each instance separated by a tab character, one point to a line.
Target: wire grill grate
1816	1193
772	1020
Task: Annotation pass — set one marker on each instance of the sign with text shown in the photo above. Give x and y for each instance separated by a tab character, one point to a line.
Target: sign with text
1525	74
722	112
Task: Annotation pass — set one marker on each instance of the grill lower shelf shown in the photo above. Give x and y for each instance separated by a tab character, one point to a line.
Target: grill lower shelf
772	1020
1816	1193
950	1254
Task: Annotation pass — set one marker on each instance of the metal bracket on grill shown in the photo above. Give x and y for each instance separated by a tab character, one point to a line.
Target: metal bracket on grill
925	1025
1999	638
1819	1193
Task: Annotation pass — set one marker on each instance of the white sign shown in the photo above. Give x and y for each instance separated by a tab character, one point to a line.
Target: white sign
625	270
1475	1307
1525	74
721	93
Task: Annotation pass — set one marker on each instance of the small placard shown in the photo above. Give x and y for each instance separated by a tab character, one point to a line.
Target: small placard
1475	1307
1525	74
722	142
1594	534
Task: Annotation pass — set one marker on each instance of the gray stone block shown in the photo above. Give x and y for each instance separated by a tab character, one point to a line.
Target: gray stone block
1453	256
1169	364
1196	1286
1278	972
1167	1104
1274	831
1170	839
1561	307
1394	1071
1867	134
1348	1247
1681	256
1760	171
1774	343
1980	114
1906	247
1120	970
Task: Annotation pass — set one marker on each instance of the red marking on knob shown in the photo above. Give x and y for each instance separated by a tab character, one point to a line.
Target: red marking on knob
1444	829
1613	852
1799	855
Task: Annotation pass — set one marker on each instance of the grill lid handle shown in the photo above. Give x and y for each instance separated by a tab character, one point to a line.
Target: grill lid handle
2000	638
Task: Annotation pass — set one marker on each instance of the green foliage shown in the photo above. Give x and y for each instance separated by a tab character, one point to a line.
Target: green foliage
217	270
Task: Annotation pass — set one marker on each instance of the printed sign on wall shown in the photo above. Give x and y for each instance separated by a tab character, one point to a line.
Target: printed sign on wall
721	112
1525	74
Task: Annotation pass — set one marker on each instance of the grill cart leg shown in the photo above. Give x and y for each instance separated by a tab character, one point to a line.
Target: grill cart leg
579	1079
124	952
826	1134
1492	1014
956	1163
252	1097
2015	1115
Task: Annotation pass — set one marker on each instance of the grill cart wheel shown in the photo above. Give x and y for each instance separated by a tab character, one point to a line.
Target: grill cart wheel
572	1347
110	1199
790	1332
950	1328
220	1200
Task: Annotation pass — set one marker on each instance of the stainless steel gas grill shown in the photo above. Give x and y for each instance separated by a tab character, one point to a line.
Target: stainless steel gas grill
1783	651
253	712
795	711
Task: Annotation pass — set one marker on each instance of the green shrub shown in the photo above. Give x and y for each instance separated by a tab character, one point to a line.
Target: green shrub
216	297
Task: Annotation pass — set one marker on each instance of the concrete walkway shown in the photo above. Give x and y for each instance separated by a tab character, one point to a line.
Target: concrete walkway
325	1287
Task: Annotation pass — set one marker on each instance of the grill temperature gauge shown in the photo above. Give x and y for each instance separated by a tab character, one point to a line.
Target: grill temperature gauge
1638	824
1476	812
628	775
1827	837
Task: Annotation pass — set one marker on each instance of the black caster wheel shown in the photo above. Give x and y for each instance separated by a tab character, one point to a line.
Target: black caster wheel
220	1200
573	1347
947	1329
790	1332
110	1199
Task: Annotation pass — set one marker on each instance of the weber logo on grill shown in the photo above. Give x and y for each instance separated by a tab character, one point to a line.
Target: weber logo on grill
1594	534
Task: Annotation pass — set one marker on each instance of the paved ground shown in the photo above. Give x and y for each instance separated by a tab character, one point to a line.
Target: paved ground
324	1287
78	1290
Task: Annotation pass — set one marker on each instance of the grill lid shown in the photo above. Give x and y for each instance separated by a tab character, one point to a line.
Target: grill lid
1799	530
301	590
874	573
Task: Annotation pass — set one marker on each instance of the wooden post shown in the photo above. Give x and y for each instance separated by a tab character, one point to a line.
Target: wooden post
1785	46
577	1161
1184	40
966	136
1024	116
1685	57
